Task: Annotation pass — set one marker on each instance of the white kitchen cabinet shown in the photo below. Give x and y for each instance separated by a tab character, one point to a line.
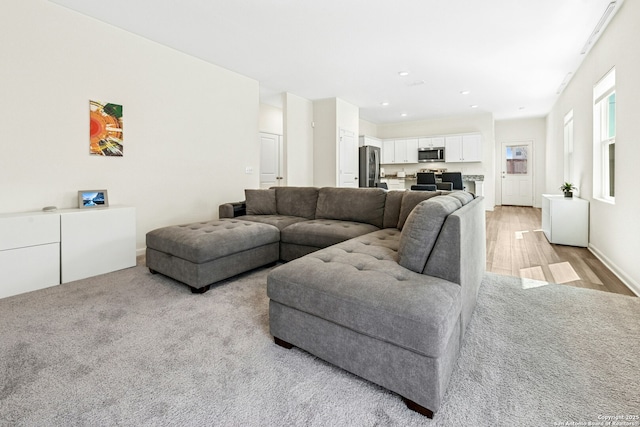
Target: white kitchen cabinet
463	148
425	143
431	142
412	150
400	151
369	140
97	241
565	220
29	252
472	148
388	151
453	149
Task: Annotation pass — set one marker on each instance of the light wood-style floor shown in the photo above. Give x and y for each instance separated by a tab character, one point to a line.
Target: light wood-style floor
516	246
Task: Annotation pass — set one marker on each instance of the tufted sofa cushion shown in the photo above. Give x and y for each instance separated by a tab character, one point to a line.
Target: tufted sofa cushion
297	201
260	202
210	240
352	204
359	285
321	233
280	221
421	230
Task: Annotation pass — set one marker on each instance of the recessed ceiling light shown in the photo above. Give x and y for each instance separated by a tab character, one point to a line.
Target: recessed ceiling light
404	114
416	83
473	106
465	92
385	103
403	73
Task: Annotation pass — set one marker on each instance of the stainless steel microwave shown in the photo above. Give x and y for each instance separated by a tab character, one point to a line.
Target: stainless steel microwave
431	154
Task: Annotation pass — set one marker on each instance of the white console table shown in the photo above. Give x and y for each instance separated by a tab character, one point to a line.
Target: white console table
565	220
42	249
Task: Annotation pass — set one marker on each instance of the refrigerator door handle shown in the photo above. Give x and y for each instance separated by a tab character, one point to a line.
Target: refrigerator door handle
377	171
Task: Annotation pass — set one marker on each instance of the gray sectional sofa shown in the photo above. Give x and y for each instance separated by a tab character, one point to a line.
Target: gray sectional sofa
380	283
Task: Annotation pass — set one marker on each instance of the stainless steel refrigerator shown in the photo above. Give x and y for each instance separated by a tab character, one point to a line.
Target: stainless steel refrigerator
369	166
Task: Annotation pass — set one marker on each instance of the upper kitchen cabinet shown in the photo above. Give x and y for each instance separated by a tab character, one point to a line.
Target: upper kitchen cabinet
388	151
400	151
369	140
431	142
406	150
463	148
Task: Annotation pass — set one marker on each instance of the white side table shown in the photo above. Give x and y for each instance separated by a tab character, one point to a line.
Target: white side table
565	220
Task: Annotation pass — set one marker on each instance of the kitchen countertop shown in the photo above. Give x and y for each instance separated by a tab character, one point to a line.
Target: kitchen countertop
413	177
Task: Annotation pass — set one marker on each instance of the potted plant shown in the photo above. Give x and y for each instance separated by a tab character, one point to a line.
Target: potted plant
568	188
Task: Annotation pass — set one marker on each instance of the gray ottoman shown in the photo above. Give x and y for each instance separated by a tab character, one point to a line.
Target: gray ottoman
203	253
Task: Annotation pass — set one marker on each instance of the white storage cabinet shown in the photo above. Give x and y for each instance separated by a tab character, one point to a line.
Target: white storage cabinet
43	249
29	252
463	148
97	241
565	220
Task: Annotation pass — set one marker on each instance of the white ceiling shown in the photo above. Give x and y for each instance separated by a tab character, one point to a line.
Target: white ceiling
512	55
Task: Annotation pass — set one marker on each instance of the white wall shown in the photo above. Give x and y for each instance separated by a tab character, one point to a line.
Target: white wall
325	153
271	119
481	122
614	229
190	127
368	128
532	129
348	118
298	140
329	116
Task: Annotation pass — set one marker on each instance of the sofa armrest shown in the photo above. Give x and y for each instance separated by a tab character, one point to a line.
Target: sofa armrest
232	210
459	254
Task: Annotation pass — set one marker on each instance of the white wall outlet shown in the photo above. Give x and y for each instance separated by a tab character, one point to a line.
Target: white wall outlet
248	170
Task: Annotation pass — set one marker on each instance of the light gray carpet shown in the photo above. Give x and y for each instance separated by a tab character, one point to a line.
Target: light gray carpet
129	348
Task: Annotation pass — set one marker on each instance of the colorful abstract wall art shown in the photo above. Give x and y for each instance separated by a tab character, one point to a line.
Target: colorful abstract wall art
105	129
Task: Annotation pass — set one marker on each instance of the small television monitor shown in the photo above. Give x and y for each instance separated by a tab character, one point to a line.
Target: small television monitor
93	199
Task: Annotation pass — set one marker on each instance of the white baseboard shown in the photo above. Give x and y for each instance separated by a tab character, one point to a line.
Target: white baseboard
625	278
141	251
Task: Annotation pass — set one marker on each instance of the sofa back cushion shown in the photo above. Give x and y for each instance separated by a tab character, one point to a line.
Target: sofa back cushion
410	200
392	208
421	231
260	202
364	205
297	201
464	196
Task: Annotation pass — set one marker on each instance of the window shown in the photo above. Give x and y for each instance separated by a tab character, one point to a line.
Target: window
604	138
516	160
568	147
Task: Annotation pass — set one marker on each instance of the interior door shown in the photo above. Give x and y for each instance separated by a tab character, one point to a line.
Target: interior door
348	161
517	173
270	160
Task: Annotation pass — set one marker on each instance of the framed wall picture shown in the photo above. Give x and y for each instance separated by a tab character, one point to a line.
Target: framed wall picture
93	199
105	129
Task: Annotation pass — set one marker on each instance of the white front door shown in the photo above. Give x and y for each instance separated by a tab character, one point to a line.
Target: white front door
517	173
270	160
348	161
